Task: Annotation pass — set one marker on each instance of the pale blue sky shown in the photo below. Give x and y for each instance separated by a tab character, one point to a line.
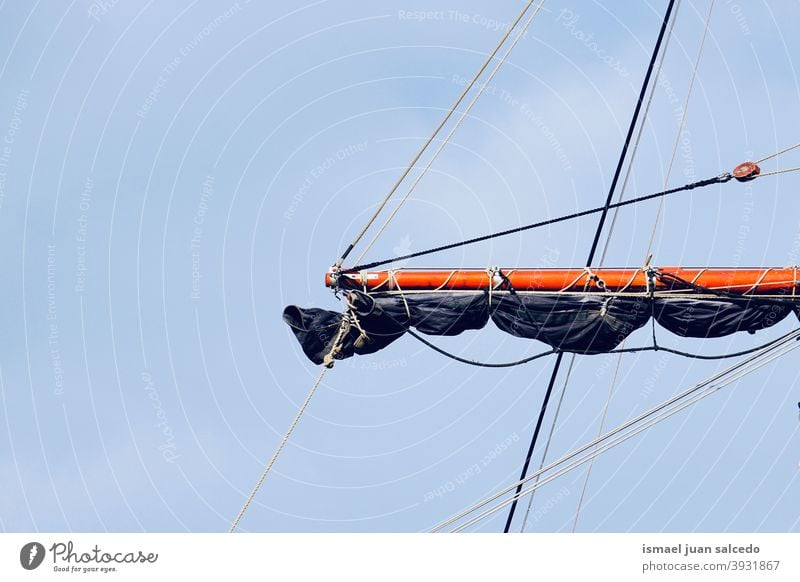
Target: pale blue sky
174	174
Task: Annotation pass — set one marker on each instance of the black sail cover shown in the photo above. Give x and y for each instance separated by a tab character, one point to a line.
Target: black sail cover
577	323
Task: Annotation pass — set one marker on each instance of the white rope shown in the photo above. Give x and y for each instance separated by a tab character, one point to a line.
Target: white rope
783	151
650	423
549	440
661	416
277	452
611	228
777	172
455	127
656	221
606	245
618	441
599	432
681	125
434	134
740	369
641	131
591	456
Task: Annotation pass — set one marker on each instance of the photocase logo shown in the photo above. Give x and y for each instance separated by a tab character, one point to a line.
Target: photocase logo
31	555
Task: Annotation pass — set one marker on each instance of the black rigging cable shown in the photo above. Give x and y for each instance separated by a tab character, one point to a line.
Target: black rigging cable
534	438
452	356
652	348
722	178
598	231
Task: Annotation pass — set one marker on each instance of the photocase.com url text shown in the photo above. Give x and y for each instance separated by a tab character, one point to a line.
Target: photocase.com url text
729	566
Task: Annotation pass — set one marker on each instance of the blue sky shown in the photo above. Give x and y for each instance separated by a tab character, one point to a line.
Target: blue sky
174	174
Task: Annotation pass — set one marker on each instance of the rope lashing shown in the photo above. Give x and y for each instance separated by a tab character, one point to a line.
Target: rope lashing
344	329
592	276
362	339
673	279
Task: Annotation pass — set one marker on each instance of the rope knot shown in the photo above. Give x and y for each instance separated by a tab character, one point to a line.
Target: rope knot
336	347
362	339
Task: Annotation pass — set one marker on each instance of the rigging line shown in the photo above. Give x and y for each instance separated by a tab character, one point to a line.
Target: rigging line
614	218
436	348
751	361
277	452
637	430
783	151
622	439
640	131
787	338
436	131
684	111
773	173
657	348
598	232
659	211
599	433
611	228
549	440
453	130
720	179
653	348
635	117
535	436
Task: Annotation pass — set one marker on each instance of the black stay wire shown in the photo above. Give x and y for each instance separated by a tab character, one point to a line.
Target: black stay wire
722	178
598	231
